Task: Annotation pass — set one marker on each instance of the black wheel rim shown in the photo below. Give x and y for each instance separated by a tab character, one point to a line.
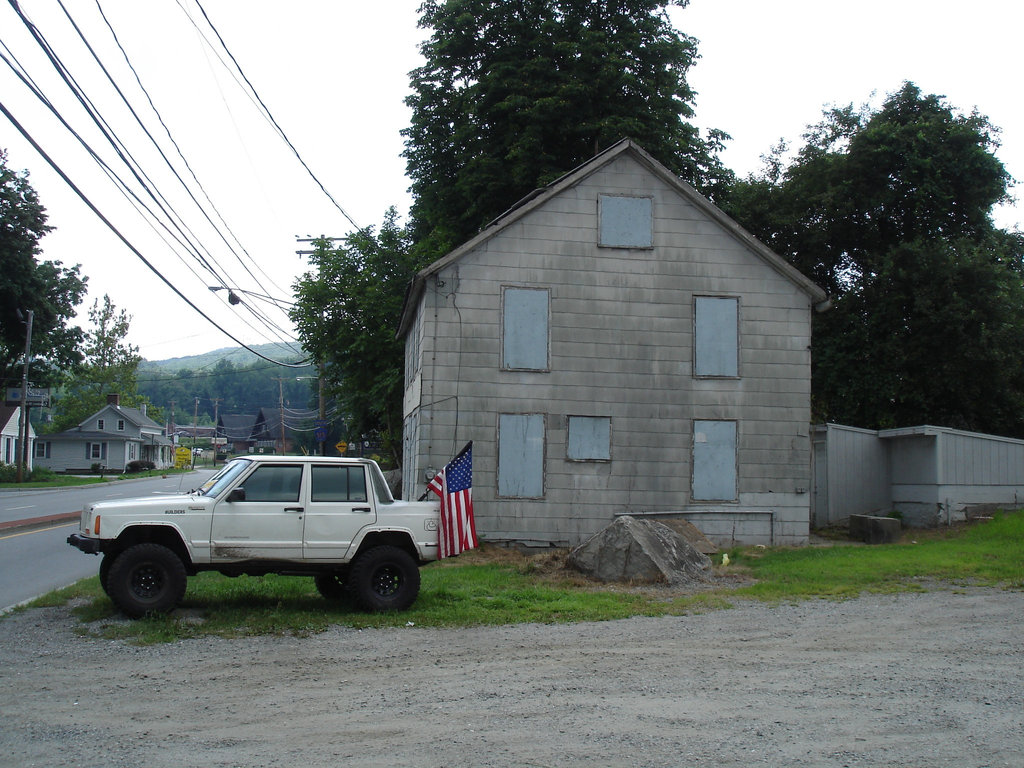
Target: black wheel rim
386	580
147	581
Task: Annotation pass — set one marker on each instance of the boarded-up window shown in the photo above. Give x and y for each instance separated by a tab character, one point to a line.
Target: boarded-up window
716	334
524	329
590	438
626	222
521	455
714	460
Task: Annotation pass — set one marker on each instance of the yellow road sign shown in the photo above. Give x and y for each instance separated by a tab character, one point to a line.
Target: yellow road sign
182	457
342	446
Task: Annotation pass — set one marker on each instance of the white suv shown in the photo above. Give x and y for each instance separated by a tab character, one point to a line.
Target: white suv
330	518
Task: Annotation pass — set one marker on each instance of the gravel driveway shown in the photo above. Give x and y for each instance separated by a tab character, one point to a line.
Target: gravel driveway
930	679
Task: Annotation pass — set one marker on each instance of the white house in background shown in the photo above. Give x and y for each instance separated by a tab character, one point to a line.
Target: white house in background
615	344
112	437
10	436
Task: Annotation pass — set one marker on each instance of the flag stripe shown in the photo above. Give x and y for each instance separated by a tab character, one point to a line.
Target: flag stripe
454	486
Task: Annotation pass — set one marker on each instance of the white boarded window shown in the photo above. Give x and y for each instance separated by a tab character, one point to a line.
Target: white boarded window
714	460
521	455
524	329
625	222
716	336
590	438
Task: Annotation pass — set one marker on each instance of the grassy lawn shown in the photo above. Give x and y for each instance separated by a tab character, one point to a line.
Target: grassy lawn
495	586
54	480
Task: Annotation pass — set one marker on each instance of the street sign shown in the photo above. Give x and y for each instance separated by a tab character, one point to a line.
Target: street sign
38	397
320	433
182	457
342	446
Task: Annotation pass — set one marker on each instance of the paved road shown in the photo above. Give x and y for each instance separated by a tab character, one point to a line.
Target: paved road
35	559
21	505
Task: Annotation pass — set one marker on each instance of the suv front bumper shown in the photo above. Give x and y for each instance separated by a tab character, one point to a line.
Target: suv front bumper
88	545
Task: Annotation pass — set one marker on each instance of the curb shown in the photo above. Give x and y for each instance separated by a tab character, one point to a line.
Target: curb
46	521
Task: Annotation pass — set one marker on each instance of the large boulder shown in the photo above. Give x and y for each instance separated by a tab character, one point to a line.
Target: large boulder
640	550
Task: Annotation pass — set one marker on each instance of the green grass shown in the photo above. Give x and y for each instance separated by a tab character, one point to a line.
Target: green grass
497	587
66	481
57	481
987	554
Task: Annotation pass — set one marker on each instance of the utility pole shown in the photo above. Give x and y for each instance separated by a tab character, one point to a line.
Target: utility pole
195	429
216	406
308	239
24	426
280	408
323	406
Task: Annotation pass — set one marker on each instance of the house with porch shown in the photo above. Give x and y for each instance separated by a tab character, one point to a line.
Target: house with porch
615	344
111	438
11	436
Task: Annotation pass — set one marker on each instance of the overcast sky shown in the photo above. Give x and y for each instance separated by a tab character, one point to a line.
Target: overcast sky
334	75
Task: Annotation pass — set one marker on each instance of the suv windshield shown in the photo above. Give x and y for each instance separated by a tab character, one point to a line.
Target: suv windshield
216	484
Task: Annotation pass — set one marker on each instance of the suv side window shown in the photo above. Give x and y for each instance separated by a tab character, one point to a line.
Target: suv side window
274	482
331	482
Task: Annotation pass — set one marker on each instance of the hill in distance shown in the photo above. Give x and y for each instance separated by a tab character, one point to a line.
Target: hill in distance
237	356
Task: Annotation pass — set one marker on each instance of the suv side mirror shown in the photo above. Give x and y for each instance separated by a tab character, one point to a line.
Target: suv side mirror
238	494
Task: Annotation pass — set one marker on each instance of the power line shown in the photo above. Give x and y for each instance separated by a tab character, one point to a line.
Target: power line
131	247
268	114
188	241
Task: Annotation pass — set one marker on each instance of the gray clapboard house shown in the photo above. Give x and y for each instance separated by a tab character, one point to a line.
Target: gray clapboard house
615	344
112	437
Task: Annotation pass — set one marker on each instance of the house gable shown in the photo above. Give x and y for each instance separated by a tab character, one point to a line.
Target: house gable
676	374
114	436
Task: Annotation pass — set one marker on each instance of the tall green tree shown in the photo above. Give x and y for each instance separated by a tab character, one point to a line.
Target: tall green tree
513	95
346	312
48	289
891	211
110	366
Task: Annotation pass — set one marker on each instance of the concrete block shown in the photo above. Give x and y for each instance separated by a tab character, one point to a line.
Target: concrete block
874	530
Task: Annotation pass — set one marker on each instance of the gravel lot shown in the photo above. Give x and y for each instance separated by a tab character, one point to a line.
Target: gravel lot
932	679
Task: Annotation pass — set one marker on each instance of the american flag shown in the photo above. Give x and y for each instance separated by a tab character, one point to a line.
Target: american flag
454	484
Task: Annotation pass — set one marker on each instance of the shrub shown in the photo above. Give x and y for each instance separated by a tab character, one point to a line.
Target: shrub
42	475
140	465
8	473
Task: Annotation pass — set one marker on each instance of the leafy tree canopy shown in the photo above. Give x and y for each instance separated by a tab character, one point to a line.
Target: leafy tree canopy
48	289
513	95
110	366
890	211
346	312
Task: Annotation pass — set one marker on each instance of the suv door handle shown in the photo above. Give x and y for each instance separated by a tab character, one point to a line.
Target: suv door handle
294	509
361	509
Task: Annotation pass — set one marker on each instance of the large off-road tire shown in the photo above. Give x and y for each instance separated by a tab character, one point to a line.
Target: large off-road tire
331	586
384	578
146	578
105	563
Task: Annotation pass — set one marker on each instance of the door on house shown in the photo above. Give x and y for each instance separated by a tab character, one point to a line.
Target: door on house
714	461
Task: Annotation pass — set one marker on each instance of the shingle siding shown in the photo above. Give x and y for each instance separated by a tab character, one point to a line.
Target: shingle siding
620	346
